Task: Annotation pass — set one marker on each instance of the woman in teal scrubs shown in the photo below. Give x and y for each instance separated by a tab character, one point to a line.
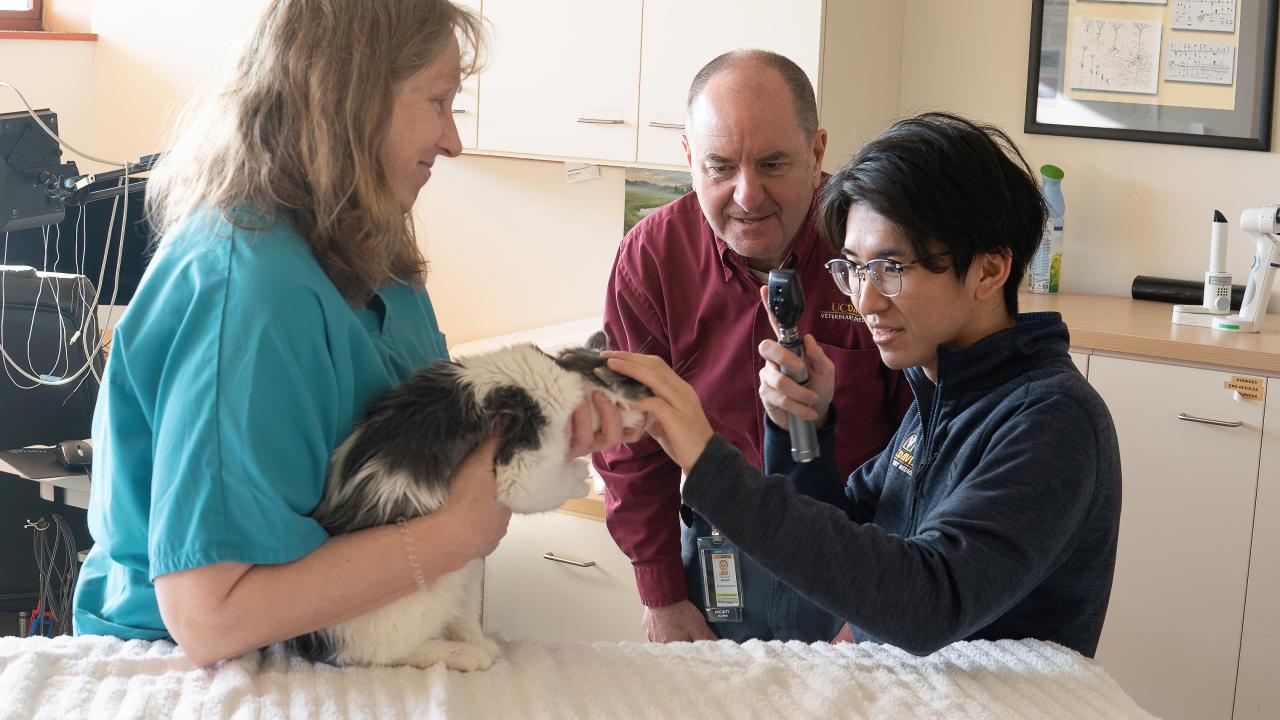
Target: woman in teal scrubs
287	293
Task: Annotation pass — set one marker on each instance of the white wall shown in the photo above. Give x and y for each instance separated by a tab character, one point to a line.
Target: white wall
1132	208
54	75
512	246
862	44
151	56
68	15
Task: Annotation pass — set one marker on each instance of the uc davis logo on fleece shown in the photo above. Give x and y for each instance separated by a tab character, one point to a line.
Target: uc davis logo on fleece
904	458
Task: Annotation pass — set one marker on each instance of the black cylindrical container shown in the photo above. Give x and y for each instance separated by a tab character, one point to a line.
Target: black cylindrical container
1179	292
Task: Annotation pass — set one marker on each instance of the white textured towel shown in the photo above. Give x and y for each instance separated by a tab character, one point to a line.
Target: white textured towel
100	677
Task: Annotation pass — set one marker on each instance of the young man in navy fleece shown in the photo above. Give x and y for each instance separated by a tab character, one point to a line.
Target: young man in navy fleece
993	513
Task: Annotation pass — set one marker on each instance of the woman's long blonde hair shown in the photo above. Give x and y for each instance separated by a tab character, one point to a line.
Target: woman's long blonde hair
295	131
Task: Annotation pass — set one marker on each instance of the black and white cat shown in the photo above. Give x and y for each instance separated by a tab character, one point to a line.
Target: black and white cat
399	461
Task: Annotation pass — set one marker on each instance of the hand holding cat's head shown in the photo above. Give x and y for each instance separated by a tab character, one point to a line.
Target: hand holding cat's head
587	361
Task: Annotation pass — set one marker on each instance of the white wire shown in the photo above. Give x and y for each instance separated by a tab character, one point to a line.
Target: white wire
115	285
90	317
4	304
68	577
54	135
37	541
56	289
35	307
89	310
91	314
63	342
56	571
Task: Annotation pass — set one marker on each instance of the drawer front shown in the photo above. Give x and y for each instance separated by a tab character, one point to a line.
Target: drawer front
527	596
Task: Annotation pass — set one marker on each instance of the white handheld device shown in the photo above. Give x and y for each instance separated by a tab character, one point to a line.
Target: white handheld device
1261	224
1216	300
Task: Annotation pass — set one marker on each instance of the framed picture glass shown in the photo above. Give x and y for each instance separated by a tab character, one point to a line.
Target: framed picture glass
1190	72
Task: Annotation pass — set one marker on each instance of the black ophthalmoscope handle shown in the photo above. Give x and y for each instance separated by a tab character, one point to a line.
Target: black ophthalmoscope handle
804	434
786	300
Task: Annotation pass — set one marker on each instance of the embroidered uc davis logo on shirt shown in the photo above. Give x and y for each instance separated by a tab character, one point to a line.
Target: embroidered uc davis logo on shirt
841	311
904	458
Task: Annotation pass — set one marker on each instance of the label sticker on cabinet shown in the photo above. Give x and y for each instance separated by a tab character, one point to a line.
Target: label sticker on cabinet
1250	388
580	172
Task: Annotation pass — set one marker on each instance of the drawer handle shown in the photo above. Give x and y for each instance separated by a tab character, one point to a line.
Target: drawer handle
599	121
672	126
459	111
1207	421
576	563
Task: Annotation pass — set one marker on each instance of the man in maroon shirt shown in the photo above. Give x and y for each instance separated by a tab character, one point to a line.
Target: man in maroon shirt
686	287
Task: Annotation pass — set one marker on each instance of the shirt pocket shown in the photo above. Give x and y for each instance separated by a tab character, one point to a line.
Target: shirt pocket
865	422
856	371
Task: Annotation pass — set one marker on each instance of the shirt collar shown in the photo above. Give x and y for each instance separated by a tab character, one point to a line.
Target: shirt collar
1034	340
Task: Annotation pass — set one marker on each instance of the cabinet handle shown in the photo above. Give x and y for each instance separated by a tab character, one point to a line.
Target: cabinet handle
673	126
600	121
1207	421
459	111
576	563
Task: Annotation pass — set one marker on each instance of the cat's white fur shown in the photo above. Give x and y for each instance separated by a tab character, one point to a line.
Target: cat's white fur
442	623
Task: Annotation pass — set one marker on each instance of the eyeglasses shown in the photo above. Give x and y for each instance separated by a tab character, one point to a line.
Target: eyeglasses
886	275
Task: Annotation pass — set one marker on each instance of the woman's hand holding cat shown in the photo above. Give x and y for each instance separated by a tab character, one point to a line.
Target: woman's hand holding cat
584	439
473	507
678	422
225	609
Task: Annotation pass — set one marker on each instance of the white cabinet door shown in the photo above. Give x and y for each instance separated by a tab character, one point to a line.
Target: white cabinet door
1258	690
681	36
1082	362
467	102
529	597
562	78
1172	634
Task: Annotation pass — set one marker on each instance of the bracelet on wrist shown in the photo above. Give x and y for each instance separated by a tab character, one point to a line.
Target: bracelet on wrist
413	555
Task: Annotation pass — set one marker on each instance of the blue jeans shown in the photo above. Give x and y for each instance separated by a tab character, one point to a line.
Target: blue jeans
771	609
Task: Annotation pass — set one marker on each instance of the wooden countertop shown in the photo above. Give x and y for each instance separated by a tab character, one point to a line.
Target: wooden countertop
1143	327
591	506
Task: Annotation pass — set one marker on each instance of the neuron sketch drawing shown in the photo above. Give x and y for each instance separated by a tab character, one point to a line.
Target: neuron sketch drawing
1212	15
1200	62
1115	55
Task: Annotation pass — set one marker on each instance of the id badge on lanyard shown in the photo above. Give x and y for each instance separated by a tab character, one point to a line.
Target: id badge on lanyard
721	582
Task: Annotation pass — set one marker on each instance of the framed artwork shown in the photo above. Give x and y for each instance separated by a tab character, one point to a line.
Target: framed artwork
647	189
1189	72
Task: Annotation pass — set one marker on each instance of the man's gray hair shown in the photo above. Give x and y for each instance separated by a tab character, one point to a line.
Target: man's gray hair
802	96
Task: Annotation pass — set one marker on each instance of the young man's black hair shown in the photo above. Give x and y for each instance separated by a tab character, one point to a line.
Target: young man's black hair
949	182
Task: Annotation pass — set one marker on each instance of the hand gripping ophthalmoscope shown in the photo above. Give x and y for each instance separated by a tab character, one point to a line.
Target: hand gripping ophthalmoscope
1261	224
786	300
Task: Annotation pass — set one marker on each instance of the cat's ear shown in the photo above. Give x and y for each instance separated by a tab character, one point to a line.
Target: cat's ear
598	341
628	386
612	378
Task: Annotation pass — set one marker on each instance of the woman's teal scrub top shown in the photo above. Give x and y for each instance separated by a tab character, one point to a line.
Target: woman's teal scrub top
236	371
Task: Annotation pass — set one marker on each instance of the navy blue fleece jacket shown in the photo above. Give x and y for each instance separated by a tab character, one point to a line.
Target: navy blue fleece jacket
993	513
